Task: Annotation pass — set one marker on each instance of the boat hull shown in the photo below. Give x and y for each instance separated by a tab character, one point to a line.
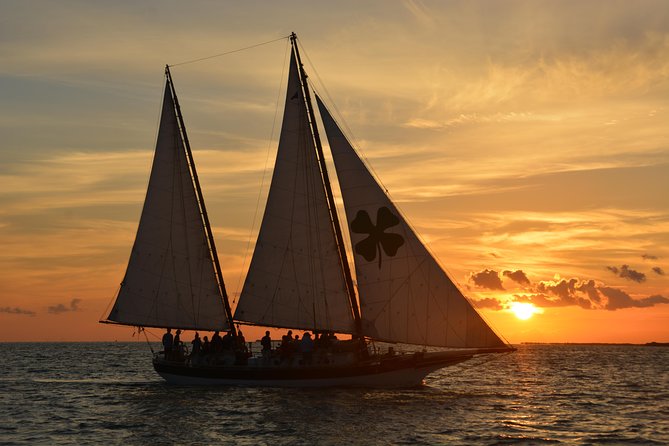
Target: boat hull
393	372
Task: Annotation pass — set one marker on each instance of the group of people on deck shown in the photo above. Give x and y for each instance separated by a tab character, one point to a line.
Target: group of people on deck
306	350
310	350
203	347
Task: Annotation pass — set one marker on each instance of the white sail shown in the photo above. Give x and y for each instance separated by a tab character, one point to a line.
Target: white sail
295	277
170	280
405	296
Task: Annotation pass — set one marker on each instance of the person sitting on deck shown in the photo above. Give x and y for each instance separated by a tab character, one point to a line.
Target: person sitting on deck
168	342
266	343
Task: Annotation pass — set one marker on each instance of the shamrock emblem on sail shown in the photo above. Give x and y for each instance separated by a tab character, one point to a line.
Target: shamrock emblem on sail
378	239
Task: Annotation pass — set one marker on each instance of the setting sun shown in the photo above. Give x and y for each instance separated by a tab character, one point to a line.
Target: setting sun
523	311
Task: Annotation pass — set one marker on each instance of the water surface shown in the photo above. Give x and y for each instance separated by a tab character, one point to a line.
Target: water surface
94	393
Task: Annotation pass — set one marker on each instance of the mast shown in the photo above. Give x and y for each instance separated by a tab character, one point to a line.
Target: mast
328	191
203	209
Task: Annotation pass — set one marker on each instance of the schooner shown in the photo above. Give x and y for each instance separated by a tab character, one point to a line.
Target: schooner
299	276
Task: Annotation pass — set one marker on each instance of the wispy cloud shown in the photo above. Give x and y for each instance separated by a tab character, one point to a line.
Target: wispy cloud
17	310
627	273
62	308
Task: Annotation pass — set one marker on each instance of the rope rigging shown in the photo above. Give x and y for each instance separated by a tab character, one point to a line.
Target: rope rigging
227	52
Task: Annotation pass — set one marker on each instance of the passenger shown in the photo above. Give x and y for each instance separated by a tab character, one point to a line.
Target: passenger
176	347
266	343
326	341
307	348
168	342
227	342
197	345
286	346
216	343
287	338
241	342
206	346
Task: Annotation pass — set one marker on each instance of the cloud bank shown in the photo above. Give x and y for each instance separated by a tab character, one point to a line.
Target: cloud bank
587	294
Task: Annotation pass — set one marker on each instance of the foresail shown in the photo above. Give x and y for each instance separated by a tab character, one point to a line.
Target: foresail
295	277
170	280
405	296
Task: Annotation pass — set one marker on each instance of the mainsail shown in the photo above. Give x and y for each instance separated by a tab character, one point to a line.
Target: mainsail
405	296
295	278
170	280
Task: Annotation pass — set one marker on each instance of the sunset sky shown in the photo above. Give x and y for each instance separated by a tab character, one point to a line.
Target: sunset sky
526	141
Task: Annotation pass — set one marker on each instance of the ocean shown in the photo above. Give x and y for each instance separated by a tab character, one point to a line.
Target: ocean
108	393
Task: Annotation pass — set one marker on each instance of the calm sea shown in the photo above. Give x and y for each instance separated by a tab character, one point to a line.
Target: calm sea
99	393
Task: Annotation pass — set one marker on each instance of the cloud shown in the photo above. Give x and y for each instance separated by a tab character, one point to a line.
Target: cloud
488	302
17	310
566	292
61	308
517	276
540	300
627	273
618	299
659	271
649	257
487	279
590	288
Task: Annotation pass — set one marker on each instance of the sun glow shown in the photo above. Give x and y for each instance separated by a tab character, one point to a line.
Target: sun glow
523	310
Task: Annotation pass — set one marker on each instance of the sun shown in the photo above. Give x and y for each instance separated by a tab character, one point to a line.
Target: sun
523	310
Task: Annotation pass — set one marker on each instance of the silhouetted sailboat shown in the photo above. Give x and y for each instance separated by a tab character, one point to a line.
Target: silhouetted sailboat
299	276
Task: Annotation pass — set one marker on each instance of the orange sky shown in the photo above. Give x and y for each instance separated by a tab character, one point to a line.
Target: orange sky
525	141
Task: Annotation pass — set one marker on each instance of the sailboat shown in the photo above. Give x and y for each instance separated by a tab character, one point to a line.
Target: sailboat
299	277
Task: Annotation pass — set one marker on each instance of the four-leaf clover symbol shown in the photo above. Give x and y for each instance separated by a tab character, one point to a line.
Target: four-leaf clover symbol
377	238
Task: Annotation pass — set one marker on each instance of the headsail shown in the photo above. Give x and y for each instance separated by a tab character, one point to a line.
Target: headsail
405	296
170	280
295	277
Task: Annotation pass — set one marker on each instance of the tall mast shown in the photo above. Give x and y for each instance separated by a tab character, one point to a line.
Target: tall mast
328	191
200	200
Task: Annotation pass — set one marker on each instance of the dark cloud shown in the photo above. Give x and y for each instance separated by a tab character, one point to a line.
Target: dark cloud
587	294
563	289
569	292
659	271
61	308
649	257
17	310
517	276
618	299
488	302
492	254
627	273
487	279
590	288
540	300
